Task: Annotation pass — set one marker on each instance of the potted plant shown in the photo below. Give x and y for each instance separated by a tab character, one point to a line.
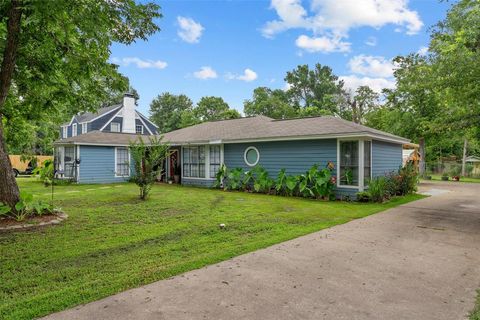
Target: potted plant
176	173
445	176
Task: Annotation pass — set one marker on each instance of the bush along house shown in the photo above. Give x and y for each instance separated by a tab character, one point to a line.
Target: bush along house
358	153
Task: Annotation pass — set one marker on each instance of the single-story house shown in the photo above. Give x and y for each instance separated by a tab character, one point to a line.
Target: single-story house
474	161
359	153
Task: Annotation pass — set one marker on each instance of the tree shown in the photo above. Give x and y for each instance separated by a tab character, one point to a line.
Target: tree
147	161
273	103
55	60
318	88
166	110
357	104
214	108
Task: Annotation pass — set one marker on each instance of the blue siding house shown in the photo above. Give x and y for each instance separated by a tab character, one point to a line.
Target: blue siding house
90	162
359	153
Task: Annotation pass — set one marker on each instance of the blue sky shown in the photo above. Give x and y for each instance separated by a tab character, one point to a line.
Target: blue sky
228	48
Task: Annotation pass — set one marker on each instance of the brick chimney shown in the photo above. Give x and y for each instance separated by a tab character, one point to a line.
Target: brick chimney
128	113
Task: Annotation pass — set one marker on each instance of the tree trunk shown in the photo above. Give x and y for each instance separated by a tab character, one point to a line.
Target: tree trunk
421	143
464	159
9	193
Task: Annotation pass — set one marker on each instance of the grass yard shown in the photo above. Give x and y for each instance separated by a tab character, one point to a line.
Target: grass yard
437	177
112	241
475	314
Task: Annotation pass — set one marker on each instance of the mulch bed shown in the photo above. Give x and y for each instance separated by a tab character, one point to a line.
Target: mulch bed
34	221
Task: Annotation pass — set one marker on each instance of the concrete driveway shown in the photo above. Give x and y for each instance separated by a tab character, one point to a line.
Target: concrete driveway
417	261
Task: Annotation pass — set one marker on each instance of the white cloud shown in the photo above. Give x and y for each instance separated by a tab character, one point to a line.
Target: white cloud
205	73
376	84
333	19
190	31
423	51
373	66
247	76
371	41
140	63
322	44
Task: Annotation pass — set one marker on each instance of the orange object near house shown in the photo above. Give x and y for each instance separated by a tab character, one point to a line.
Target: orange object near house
21	166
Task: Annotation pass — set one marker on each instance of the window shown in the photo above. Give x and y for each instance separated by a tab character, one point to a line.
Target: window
65	132
74	130
122	162
214	160
84	128
367	162
251	156
139	129
194	162
115	127
68	160
349	163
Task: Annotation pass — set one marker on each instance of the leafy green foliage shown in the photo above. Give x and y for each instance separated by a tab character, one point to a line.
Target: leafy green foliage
318	88
166	111
377	188
147	162
27	206
45	172
315	183
273	103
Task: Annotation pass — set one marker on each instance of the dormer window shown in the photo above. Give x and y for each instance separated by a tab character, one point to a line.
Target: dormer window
84	127
74	130
65	132
139	129
115	127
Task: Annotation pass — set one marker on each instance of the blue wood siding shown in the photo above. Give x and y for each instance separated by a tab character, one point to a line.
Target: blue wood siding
198	182
100	122
386	157
97	165
149	125
118	120
295	156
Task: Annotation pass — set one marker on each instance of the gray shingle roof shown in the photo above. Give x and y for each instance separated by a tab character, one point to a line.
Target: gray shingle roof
264	128
249	129
88	116
104	138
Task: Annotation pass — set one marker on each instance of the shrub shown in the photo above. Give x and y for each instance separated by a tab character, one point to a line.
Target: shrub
45	172
407	179
147	161
27	206
378	189
314	183
364	196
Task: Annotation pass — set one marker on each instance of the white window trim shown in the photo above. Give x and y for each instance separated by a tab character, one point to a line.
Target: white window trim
129	161
245	156
65	132
138	125
207	162
119	127
84	127
74	130
361	173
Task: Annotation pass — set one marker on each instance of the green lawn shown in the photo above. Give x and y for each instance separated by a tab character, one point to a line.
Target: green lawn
475	314
462	179
112	241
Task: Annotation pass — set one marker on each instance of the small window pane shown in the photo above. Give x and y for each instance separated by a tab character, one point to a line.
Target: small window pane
349	163
122	168
139	129
251	156
115	127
